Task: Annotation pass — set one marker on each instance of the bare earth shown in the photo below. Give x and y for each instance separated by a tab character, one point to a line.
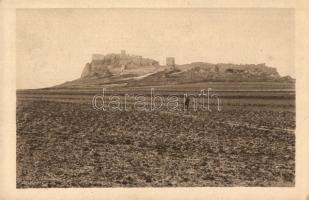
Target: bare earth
64	142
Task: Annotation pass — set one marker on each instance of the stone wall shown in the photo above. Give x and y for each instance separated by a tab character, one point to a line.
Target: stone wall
115	64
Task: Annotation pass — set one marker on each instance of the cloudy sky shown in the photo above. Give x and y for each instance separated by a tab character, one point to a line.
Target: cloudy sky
53	45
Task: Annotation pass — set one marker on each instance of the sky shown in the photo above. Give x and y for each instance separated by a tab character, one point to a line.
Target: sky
53	45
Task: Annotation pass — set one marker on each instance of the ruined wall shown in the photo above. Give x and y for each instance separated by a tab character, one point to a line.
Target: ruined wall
103	65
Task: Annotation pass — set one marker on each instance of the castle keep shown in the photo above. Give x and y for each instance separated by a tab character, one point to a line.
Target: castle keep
170	62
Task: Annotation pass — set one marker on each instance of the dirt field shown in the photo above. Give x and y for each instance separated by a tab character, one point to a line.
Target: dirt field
66	143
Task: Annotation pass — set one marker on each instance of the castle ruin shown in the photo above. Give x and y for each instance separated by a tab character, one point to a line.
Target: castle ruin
170	62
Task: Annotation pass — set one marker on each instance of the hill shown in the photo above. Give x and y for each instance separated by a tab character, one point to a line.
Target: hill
131	70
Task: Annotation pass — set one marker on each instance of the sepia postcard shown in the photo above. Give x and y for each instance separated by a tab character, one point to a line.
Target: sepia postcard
145	100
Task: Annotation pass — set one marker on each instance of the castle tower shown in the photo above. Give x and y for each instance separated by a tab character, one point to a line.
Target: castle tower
170	62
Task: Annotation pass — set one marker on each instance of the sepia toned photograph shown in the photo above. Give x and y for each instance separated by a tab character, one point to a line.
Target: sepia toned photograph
184	97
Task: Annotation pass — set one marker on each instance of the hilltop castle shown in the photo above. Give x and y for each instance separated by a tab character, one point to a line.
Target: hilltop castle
111	64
